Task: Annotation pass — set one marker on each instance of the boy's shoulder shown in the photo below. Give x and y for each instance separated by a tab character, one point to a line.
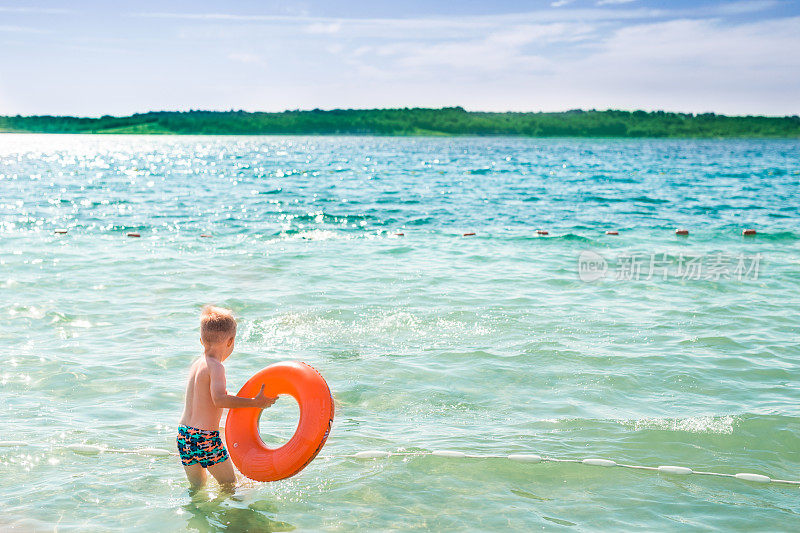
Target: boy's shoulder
202	365
209	364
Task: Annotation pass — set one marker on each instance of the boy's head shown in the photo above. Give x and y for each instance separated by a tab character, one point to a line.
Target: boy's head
217	327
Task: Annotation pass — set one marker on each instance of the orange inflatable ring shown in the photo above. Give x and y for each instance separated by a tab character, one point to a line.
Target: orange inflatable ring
249	453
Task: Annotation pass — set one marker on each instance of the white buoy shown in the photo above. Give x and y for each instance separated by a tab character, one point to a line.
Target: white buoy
85	449
525	457
12	443
680	470
92	449
371	454
599	462
448	453
758	478
156	452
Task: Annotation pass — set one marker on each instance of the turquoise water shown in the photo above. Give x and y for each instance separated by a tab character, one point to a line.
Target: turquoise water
487	344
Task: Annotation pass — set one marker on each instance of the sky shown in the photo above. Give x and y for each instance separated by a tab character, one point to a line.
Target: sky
93	58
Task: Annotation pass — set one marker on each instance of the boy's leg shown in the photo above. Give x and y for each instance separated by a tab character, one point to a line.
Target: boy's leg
196	475
223	472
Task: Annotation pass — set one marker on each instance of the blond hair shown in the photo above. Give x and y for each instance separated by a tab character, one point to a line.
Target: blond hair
216	324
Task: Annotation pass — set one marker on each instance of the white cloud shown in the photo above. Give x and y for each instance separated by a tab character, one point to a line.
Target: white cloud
710	43
499	50
335	48
322	27
37	10
375	26
694	65
523	34
21	29
683	64
469	55
691	59
613	2
748	6
245	57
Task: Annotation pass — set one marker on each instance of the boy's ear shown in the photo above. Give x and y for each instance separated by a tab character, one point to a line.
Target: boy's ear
230	342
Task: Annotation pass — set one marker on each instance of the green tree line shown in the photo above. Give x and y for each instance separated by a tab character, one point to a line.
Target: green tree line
419	121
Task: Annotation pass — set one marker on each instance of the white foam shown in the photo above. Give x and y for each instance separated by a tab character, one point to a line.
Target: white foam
695	424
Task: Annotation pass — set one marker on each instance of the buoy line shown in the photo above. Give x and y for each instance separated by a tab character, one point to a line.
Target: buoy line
683	232
92	449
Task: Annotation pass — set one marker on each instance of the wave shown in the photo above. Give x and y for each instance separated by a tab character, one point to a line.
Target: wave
781	236
723	425
572	237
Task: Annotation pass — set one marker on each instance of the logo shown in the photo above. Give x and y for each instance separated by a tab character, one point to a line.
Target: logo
591	266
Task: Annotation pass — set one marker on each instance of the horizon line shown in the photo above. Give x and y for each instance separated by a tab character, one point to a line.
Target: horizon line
328	110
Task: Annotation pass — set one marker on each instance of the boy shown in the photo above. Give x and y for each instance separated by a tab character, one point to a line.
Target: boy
199	443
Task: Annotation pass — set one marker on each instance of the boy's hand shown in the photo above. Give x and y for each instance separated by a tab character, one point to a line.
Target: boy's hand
263	401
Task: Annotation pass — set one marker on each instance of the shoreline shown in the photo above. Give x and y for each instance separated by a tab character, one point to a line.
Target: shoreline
421	122
409	136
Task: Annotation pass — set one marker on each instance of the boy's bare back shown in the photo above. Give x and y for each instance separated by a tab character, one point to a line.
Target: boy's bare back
199	410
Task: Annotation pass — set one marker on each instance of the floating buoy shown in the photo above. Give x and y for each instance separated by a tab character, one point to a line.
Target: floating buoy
371	454
468	234
599	462
758	478
612	232
249	453
748	232
525	457
205	235
399	234
85	449
542	232
61	231
95	450
682	232
155	452
678	470
133	235
448	453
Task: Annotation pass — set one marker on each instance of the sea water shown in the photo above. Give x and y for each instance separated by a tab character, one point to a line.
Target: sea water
644	348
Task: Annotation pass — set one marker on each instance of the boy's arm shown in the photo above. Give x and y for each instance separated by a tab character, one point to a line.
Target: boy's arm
221	398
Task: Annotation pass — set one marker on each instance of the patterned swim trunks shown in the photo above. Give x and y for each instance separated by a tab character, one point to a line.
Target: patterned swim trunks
200	446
